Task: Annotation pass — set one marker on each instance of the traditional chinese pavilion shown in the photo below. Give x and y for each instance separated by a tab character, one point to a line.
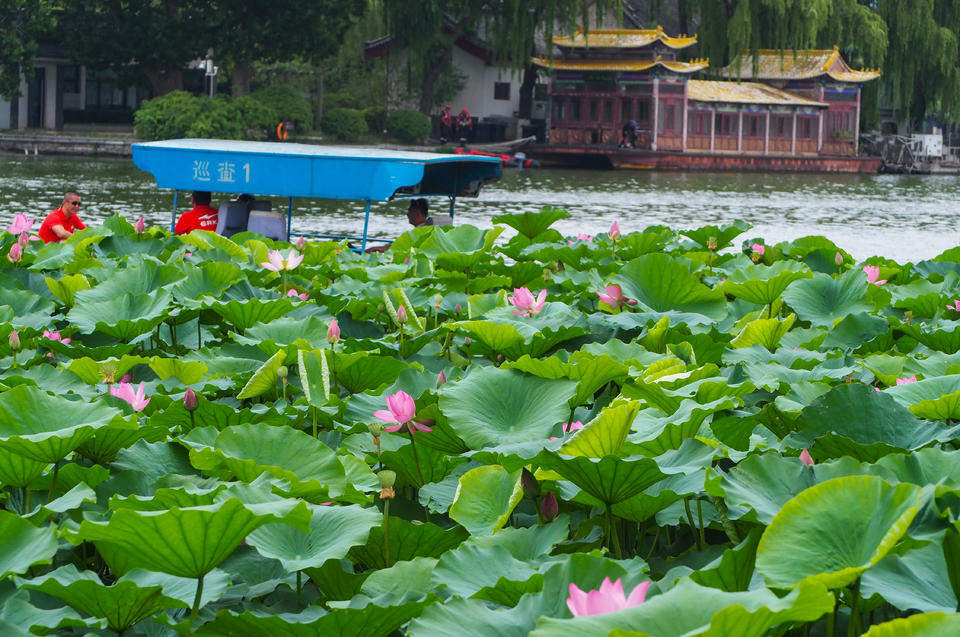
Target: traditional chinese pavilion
788	111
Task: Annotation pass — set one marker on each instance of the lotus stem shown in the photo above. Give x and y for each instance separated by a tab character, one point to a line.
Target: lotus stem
653	545
416	458
686	507
703	539
853	626
313	412
193	421
53	481
728	526
26	500
612	536
196	600
299	588
199	336
173	336
386	532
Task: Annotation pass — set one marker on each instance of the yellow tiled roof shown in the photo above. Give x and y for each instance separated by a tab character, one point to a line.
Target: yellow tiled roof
744	93
797	65
558	64
623	39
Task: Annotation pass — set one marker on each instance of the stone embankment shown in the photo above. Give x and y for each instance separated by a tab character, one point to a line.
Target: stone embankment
49	144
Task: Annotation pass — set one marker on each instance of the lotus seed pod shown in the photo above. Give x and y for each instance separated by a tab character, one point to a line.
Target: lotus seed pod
387	478
282	372
109	371
190	401
712	244
376	429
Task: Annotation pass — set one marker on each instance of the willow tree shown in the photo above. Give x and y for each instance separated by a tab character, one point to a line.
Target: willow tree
427	31
23	22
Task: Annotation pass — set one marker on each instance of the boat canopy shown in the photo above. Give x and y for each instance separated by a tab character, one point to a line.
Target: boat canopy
318	172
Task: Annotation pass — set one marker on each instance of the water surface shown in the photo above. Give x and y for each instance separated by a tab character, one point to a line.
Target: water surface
907	218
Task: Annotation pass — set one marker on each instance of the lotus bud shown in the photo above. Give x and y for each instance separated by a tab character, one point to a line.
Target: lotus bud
467	341
140	226
333	332
838	259
499	358
190	401
549	507
806	458
441	378
282	372
126	378
376	429
14	341
23	240
614	231
15	253
712	244
457	308
437	301
531	488
301	244
109	371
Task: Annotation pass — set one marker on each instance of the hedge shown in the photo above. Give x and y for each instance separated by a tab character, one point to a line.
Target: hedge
408	126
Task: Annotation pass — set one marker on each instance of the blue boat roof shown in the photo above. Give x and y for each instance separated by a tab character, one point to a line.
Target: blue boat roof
303	170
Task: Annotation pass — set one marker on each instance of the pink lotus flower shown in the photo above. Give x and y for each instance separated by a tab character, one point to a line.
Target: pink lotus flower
806	458
140	226
23	240
401	409
55	336
16	252
613	296
759	248
277	262
581	237
872	273
955	307
301	244
609	599
126	378
125	391
907	381
614	233
523	300
333	332
303	296
569	428
21	223
441	378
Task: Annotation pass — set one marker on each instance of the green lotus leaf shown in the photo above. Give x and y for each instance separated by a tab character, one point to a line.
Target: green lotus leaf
407	541
915	581
530	224
246	313
92	372
823	300
927	389
733	570
426	466
22	544
206	240
142	279
333	532
189	372
763	483
940	340
492	574
653	434
20	618
72	499
209	279
605	434
658	497
946	407
402	580
722	235
690	609
46	428
265	378
855	330
762	284
123	604
190	541
591	372
286	332
485	498
498	337
66	287
494	406
123	317
661	283
610	479
18	471
29	309
922	625
636	244
766	332
359	371
314	373
834	531
556	323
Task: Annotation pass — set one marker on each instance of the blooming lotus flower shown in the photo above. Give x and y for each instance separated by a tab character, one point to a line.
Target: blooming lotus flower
955	307
16	252
333	332
140	226
569	428
907	381
613	296
125	391
401	409
806	458
277	262
526	305
549	507
21	223
759	248
23	240
872	273
609	599
614	233
301	244
55	336
303	296
581	237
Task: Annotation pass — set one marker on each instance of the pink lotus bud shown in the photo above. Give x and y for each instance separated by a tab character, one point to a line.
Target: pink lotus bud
126	378
457	308
441	378
190	401
838	259
140	226
301	244
14	341
23	240
549	507
333	332
614	231
531	488
15	253
806	458
401	315
466	341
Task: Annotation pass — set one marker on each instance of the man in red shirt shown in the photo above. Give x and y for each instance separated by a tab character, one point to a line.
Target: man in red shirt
202	217
62	222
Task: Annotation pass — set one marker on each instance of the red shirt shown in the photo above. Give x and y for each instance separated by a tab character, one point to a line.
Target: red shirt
200	218
59	218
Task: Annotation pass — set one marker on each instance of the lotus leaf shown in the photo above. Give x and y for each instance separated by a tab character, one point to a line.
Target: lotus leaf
22	544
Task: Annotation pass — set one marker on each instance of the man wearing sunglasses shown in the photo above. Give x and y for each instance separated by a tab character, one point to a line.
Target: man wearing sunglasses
62	222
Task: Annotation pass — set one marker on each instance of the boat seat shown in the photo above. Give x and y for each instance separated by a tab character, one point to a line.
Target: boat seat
442	220
232	218
263	220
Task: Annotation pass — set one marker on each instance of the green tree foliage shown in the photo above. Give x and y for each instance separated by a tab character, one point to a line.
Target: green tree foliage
408	126
179	114
286	103
343	124
23	22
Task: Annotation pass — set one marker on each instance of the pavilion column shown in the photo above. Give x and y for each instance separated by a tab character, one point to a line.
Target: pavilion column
766	135
856	126
683	145
740	130
793	136
656	112
820	125
549	118
713	128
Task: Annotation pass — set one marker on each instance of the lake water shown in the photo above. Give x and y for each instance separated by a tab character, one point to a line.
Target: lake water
907	218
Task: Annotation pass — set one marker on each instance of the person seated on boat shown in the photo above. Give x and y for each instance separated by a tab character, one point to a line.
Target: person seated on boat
417	215
629	134
201	217
61	223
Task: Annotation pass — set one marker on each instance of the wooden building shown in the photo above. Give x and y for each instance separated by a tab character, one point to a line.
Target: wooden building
802	114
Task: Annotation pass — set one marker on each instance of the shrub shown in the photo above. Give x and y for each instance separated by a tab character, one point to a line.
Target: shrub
286	103
168	116
376	118
259	117
408	126
344	124
219	118
338	100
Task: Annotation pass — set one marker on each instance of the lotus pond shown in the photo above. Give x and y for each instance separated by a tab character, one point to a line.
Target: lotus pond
660	432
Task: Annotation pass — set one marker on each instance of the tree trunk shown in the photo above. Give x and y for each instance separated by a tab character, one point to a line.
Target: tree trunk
440	63
240	79
164	81
526	92
318	113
